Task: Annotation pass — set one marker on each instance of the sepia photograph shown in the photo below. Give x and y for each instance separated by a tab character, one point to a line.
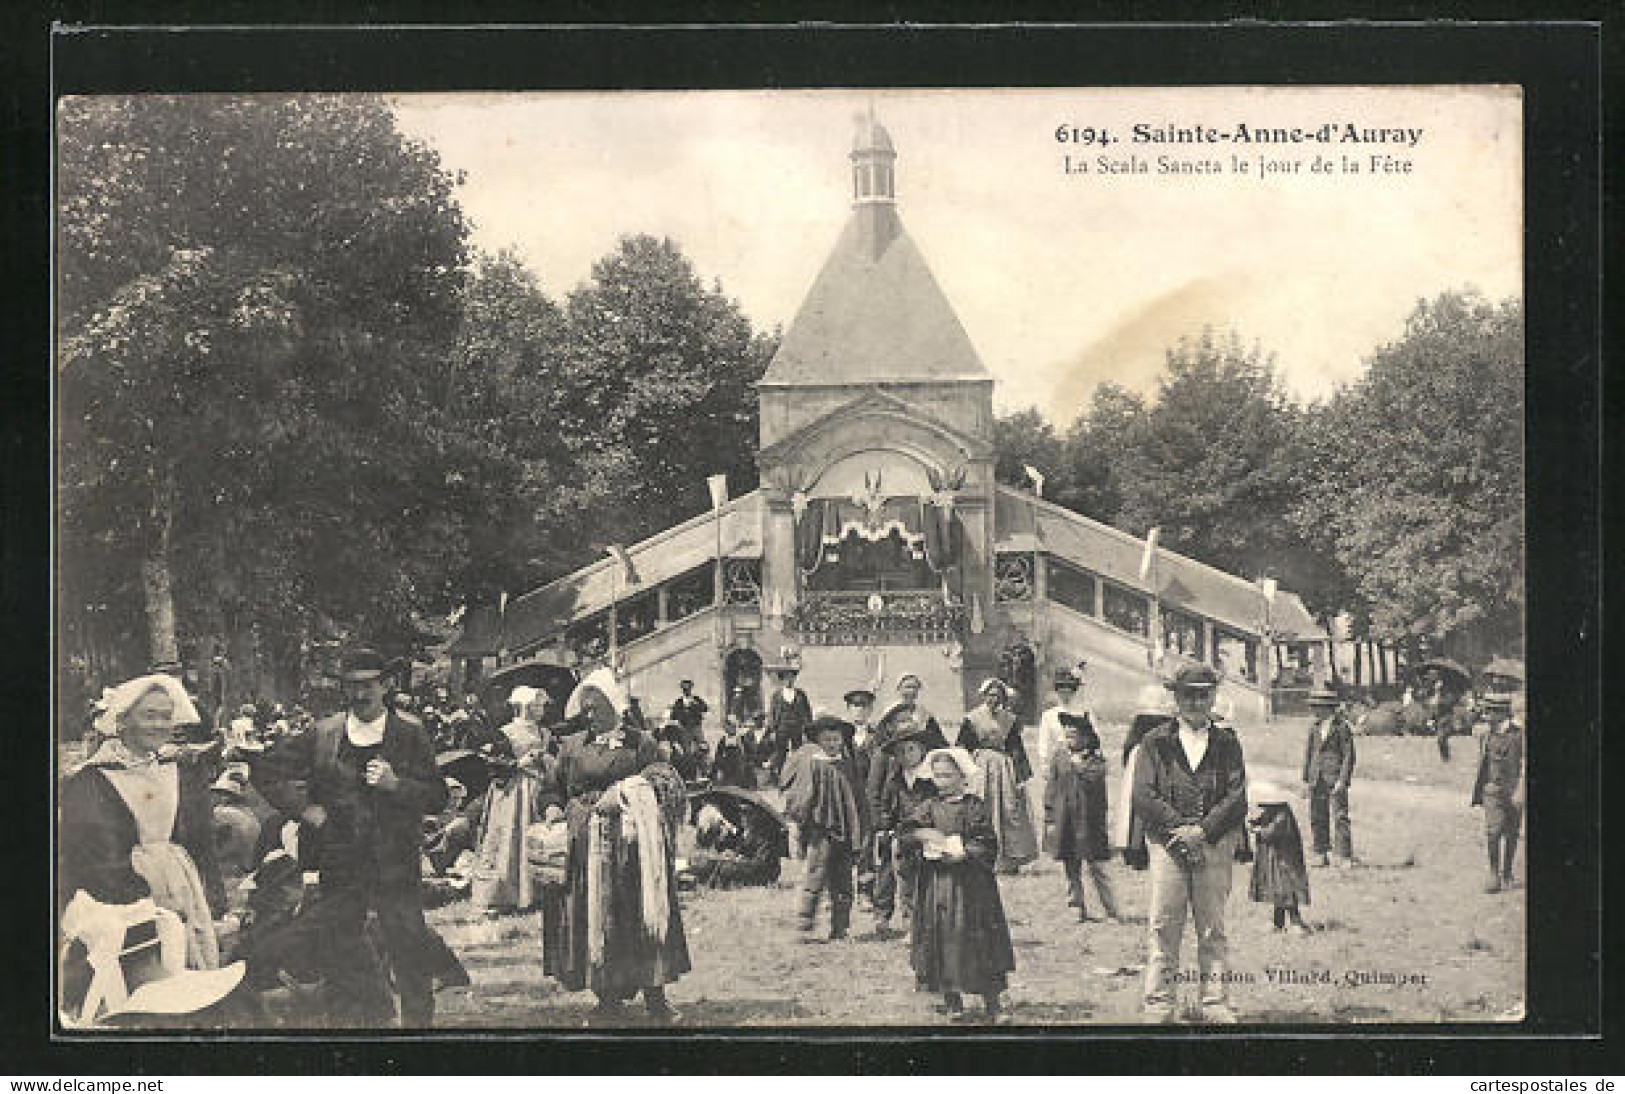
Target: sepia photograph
785	559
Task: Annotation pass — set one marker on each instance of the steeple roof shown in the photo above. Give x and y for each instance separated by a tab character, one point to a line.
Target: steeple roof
875	314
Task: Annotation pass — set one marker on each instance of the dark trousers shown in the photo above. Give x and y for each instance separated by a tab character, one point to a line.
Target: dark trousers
895	871
1329	811
358	993
829	869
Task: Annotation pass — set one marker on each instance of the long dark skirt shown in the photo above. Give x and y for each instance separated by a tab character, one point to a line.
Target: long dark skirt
632	959
960	941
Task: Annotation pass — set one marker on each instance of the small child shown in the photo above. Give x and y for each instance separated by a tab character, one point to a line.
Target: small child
960	940
820	800
1075	814
1279	876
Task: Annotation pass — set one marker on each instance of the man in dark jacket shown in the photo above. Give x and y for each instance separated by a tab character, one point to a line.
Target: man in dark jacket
362	783
789	713
1328	767
1190	791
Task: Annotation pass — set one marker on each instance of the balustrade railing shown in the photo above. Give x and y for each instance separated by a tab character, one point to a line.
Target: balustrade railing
859	618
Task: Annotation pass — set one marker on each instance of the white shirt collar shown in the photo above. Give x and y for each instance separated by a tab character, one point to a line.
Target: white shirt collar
365	734
1194	740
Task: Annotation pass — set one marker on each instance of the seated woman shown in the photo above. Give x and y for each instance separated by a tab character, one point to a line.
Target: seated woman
136	818
619	929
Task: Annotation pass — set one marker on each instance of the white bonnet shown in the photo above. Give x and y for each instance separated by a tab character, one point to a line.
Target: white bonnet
115	701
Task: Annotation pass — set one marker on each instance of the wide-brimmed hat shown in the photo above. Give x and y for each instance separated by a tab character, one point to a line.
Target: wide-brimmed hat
827	721
859	697
1067	680
1324	696
913	731
783	669
362	664
1196	677
906	677
685	683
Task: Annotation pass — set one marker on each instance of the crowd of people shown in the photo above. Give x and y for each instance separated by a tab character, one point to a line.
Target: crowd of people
330	825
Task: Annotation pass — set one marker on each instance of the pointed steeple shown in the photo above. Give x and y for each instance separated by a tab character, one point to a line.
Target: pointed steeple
873	158
875	314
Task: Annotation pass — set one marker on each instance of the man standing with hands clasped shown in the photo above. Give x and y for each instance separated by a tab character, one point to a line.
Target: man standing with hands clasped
1328	768
361	783
1190	790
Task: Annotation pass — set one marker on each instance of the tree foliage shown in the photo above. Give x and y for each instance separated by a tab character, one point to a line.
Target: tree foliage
294	405
255	298
1399	501
1423	485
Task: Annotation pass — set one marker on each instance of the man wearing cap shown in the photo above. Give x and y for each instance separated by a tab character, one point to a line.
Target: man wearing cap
362	782
789	713
1190	792
1499	788
1328	768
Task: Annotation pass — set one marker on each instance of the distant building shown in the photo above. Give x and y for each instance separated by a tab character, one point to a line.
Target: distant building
878	542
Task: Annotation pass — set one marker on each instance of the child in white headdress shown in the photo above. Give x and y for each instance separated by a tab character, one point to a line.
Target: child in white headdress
960	940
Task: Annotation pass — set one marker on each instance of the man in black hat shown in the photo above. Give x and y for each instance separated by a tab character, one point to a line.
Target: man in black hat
1190	791
1328	768
789	713
361	782
689	710
1499	788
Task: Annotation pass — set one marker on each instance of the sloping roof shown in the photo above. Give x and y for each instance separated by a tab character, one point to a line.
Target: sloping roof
874	315
1182	582
543	612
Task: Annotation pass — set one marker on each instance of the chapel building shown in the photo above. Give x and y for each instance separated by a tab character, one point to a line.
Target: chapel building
878	542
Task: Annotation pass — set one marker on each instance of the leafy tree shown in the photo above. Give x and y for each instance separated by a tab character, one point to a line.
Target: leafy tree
1422	477
658	392
1209	461
1094	448
256	299
1027	439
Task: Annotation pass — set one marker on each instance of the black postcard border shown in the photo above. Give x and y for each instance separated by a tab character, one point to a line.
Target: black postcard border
1559	65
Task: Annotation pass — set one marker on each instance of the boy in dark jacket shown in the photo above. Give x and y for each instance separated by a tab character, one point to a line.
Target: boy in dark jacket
1075	814
819	798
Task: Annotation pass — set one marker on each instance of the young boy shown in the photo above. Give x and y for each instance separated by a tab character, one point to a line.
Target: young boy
898	783
820	799
1075	815
1499	788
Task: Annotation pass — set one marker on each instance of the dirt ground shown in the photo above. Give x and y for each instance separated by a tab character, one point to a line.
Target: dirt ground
1408	935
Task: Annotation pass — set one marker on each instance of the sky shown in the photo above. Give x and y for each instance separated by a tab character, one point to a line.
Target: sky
1062	280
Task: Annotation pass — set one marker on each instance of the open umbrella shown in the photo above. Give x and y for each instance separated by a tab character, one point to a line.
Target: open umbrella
753	854
467	767
1452	670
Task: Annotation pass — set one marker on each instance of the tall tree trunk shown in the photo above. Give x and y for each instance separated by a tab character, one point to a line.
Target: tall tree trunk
155	576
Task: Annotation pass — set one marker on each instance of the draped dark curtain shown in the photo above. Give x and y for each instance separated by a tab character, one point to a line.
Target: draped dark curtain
811	532
942	536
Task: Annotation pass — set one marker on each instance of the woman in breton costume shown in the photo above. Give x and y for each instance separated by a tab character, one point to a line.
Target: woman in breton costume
991	734
523	790
620	929
136	818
